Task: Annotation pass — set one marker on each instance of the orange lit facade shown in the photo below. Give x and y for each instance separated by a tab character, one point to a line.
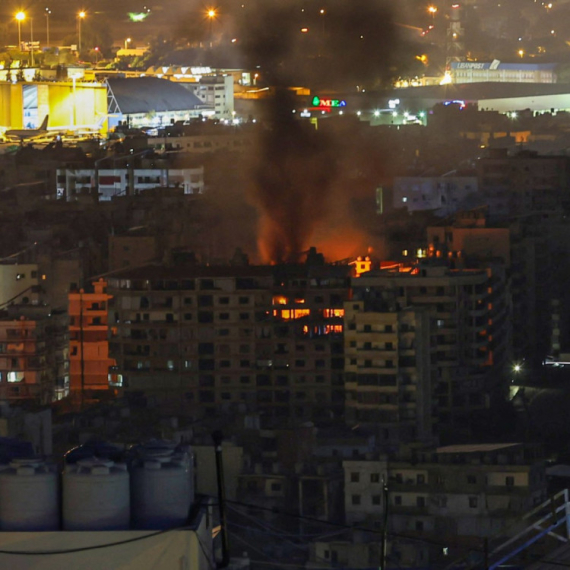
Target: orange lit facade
88	330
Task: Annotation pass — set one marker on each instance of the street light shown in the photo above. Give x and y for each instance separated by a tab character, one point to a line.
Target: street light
433	11
20	17
127	42
80	17
47	13
211	14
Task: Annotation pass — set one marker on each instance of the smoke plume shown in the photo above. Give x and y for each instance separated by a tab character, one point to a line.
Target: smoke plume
295	168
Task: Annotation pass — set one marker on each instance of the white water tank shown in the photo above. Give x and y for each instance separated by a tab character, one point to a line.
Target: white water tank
96	495
29	496
162	490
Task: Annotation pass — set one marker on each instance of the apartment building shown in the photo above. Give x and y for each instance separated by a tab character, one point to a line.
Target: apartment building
89	344
522	246
233	337
389	370
106	184
523	183
34	355
470	332
444	194
458	493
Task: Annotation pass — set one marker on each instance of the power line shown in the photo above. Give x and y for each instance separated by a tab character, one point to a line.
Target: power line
356	527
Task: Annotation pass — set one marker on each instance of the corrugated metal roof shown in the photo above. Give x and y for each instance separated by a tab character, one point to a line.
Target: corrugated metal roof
136	95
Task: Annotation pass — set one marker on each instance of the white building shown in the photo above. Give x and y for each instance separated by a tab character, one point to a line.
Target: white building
108	183
498	72
441	193
216	91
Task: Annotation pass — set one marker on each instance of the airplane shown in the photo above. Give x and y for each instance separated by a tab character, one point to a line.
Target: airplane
23	135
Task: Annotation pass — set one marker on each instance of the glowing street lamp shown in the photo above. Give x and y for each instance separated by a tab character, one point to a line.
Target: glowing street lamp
433	11
20	17
127	42
521	52
47	14
211	15
80	16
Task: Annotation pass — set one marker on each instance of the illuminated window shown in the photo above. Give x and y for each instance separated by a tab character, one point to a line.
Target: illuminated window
15	376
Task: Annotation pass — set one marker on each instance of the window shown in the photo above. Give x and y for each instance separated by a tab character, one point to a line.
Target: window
421	479
421	501
473	502
224	300
471	480
276	486
224	316
354	477
375	499
510	481
398	500
356	499
419	525
375	477
243	300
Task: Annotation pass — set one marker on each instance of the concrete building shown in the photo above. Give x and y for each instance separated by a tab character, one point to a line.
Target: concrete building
364	481
389	370
132	249
457	494
499	72
88	341
522	246
442	194
19	284
524	183
233	337
471	332
217	92
109	183
202	138
34	356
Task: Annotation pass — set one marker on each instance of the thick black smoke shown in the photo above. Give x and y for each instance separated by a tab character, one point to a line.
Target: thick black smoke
347	44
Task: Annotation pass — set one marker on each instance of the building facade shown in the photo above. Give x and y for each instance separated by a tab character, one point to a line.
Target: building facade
88	341
234	337
109	183
470	331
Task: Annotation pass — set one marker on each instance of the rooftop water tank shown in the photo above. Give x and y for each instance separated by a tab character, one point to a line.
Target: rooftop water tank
96	495
162	490
29	496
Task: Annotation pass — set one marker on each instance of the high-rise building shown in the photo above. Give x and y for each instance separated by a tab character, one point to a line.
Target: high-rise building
469	331
233	337
389	370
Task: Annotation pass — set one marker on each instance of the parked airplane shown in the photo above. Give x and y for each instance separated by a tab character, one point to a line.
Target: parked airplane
23	135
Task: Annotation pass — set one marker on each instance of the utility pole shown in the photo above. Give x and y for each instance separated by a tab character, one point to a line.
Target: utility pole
82	359
218	437
486	553
384	543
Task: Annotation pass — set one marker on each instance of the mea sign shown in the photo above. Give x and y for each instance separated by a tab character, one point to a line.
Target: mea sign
318	102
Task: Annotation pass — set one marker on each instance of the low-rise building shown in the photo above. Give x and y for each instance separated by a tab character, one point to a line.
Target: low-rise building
107	184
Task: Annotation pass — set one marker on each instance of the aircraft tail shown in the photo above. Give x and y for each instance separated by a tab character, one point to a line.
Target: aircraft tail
43	126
